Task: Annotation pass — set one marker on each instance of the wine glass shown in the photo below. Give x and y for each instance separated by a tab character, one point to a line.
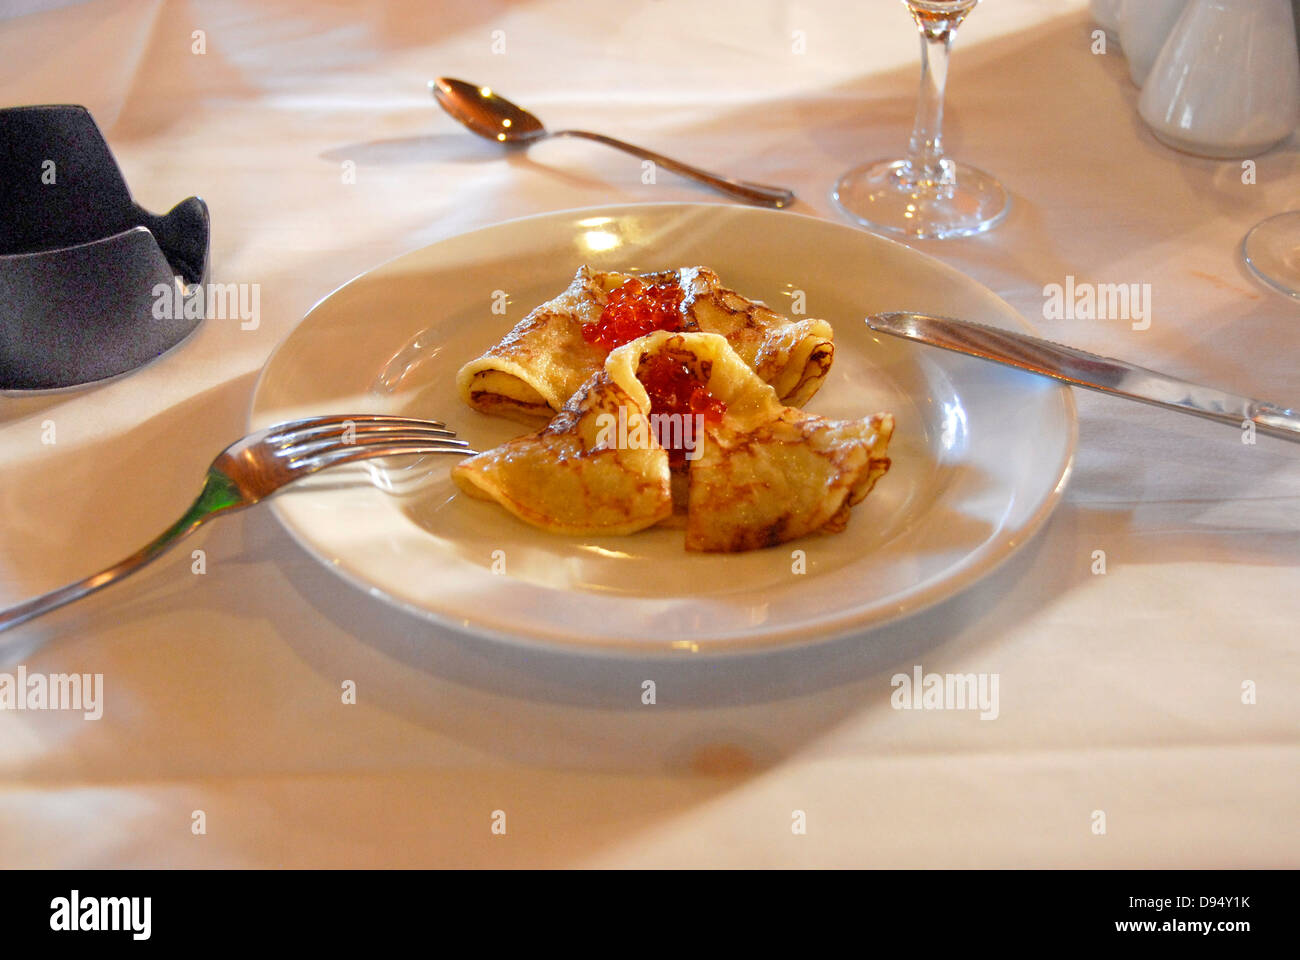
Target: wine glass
1272	251
926	195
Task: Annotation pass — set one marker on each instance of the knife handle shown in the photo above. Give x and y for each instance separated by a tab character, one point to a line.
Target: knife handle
1276	421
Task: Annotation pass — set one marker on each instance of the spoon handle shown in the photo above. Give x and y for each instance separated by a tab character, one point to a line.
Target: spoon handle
740	189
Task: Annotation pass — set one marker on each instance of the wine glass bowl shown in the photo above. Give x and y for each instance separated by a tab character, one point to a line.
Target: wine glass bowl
925	194
1272	252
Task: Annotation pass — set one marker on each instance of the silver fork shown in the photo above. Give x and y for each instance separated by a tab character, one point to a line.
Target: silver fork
250	470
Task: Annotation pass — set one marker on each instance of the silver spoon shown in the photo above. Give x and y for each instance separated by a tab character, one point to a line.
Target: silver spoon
491	115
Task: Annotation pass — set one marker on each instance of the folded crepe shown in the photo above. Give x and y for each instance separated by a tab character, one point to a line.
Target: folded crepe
759	472
572	477
534	369
765	473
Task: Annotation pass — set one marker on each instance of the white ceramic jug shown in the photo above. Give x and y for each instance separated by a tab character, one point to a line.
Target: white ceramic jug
1106	15
1144	26
1227	83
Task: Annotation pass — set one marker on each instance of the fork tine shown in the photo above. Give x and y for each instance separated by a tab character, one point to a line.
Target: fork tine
359	426
317	447
354	452
299	449
312	426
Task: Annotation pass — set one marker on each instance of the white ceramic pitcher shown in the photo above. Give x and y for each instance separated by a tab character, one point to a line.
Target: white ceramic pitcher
1144	27
1106	15
1227	82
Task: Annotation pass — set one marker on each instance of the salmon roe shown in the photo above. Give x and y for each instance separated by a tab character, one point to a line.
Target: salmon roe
633	310
675	389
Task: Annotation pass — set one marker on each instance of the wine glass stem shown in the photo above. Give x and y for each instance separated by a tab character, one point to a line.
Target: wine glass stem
925	160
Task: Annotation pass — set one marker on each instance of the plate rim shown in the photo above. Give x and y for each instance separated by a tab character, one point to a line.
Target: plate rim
789	638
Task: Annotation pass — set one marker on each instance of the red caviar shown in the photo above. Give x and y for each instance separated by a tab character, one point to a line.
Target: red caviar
633	310
675	389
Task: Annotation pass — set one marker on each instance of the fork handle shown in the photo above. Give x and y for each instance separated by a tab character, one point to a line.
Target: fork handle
218	496
740	189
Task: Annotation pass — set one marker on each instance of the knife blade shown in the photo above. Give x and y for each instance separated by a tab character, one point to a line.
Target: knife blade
1080	368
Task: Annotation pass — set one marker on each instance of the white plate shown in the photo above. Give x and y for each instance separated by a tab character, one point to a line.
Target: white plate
980	453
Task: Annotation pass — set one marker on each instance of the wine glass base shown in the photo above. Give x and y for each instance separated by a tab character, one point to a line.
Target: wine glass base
1272	252
885	196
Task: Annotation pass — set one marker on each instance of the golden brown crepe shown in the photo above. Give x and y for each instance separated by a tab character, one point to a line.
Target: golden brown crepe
794	356
764	474
767	473
572	477
536	367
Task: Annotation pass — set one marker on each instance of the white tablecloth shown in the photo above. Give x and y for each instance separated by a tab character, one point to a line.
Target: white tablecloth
1120	692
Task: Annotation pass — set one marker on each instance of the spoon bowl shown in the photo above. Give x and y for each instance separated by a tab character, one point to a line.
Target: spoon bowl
486	112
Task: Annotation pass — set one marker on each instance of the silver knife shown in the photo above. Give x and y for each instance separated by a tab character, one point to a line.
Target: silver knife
1082	369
